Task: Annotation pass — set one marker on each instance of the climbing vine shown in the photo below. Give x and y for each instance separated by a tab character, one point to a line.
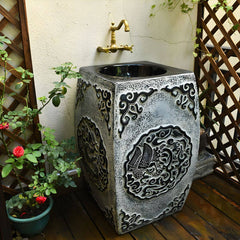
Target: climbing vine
186	6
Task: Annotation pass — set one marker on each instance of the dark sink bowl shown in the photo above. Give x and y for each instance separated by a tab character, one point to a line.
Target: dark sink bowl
132	70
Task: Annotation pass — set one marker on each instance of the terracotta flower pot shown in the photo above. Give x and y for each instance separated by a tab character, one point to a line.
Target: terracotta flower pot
34	225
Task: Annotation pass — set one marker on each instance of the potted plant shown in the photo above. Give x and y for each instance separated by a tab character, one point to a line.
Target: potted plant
29	210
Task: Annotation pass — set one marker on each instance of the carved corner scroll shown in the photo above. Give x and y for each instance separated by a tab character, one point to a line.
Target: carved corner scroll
131	221
176	204
130	107
81	89
185	97
104	104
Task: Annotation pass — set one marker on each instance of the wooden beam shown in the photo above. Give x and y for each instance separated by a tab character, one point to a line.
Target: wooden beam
5	230
28	61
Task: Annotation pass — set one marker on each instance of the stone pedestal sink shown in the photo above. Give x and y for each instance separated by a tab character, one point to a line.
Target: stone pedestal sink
137	129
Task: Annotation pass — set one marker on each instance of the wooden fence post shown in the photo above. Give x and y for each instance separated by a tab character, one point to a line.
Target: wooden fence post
5	230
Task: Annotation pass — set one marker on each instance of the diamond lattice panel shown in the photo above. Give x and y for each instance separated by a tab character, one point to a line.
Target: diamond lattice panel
217	69
13	26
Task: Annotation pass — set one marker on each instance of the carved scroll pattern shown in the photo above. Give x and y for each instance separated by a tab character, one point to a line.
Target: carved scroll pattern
92	150
158	161
185	97
130	222
104	104
109	215
133	221
176	205
130	107
81	89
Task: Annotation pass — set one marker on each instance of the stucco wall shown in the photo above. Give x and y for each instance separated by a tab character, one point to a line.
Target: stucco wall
71	30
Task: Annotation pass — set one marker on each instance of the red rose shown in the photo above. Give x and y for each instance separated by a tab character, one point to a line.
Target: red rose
41	200
4	125
18	151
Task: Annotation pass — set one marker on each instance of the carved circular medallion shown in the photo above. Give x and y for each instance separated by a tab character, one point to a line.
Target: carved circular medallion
157	162
93	153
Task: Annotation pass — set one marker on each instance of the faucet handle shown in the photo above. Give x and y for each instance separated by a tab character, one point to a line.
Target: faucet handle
129	48
126	47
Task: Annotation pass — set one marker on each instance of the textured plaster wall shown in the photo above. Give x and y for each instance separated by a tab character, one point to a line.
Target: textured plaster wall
71	30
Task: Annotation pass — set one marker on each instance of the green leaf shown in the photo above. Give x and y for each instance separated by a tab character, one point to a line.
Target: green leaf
18	124
72	184
53	190
228	8
47	192
198	30
64	90
194	54
12	94
35	146
5	40
13	125
19	165
6	170
20	69
19	85
235	27
78	172
42	99
31	158
209	54
30	74
56	101
196	45
20	205
10	160
36	154
26	81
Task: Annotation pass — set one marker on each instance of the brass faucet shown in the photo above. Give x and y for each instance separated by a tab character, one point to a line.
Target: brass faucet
113	47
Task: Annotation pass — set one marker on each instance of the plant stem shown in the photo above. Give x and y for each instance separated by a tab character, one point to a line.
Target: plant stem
4	143
44	105
27	120
2	100
3	91
56	89
19	181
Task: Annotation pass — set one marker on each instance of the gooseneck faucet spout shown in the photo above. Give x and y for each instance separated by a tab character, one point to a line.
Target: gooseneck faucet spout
120	25
113	47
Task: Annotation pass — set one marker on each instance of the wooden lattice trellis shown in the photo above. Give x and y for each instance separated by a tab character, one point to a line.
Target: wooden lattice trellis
13	25
217	69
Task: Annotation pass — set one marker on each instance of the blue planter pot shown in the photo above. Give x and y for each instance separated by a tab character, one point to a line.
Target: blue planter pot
32	226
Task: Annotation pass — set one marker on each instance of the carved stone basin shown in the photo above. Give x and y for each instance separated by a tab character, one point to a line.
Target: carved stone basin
137	129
